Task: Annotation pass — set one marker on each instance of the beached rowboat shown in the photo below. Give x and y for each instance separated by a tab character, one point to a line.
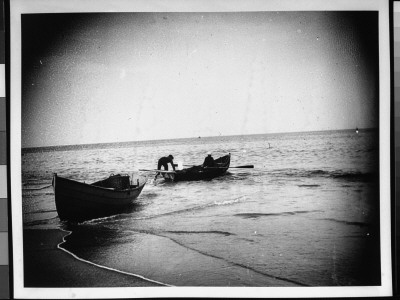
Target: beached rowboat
77	201
221	165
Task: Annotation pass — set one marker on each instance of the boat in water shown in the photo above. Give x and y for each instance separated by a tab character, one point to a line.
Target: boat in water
221	165
77	201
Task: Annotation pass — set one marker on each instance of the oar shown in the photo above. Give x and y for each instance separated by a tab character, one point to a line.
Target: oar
158	171
237	167
244	167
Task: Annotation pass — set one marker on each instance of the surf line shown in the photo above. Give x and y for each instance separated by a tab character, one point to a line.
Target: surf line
194	208
104	267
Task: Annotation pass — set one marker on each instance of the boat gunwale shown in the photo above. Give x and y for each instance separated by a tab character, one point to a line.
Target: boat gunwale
77	201
204	173
96	187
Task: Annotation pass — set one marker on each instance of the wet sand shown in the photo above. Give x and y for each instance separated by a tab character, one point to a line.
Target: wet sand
47	266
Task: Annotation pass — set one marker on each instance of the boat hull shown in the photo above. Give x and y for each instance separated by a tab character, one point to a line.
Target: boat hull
76	201
200	173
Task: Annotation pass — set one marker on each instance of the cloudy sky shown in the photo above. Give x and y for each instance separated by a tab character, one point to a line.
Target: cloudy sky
92	78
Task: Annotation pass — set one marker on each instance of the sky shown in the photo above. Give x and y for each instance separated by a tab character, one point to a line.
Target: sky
114	77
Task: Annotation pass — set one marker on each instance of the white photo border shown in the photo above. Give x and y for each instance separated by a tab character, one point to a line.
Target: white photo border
19	7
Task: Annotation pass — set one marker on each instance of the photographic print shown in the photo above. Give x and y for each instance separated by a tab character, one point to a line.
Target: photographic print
172	148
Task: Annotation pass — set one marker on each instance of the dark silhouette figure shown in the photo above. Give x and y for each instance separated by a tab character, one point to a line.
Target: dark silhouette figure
163	162
208	161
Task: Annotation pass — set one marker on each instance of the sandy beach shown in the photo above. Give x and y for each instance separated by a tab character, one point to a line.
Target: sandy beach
47	266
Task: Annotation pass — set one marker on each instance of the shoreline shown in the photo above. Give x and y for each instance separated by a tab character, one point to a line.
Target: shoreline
45	265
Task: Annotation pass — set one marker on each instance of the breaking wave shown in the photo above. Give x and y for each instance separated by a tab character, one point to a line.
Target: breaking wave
336	174
286	213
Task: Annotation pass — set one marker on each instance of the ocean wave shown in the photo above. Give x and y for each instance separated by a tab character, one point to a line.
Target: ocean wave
286	213
227	202
149	195
336	174
100	220
36	189
194	208
244	175
225	233
354	223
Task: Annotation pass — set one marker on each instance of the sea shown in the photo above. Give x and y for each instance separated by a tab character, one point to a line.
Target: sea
307	214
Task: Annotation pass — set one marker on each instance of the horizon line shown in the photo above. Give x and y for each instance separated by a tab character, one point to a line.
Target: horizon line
192	137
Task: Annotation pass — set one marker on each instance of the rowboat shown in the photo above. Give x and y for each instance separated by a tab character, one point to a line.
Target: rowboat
221	165
77	201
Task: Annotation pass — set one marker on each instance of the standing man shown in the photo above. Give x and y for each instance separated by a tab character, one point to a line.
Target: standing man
163	162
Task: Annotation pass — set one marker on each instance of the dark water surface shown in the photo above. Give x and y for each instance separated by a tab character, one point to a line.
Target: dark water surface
307	214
